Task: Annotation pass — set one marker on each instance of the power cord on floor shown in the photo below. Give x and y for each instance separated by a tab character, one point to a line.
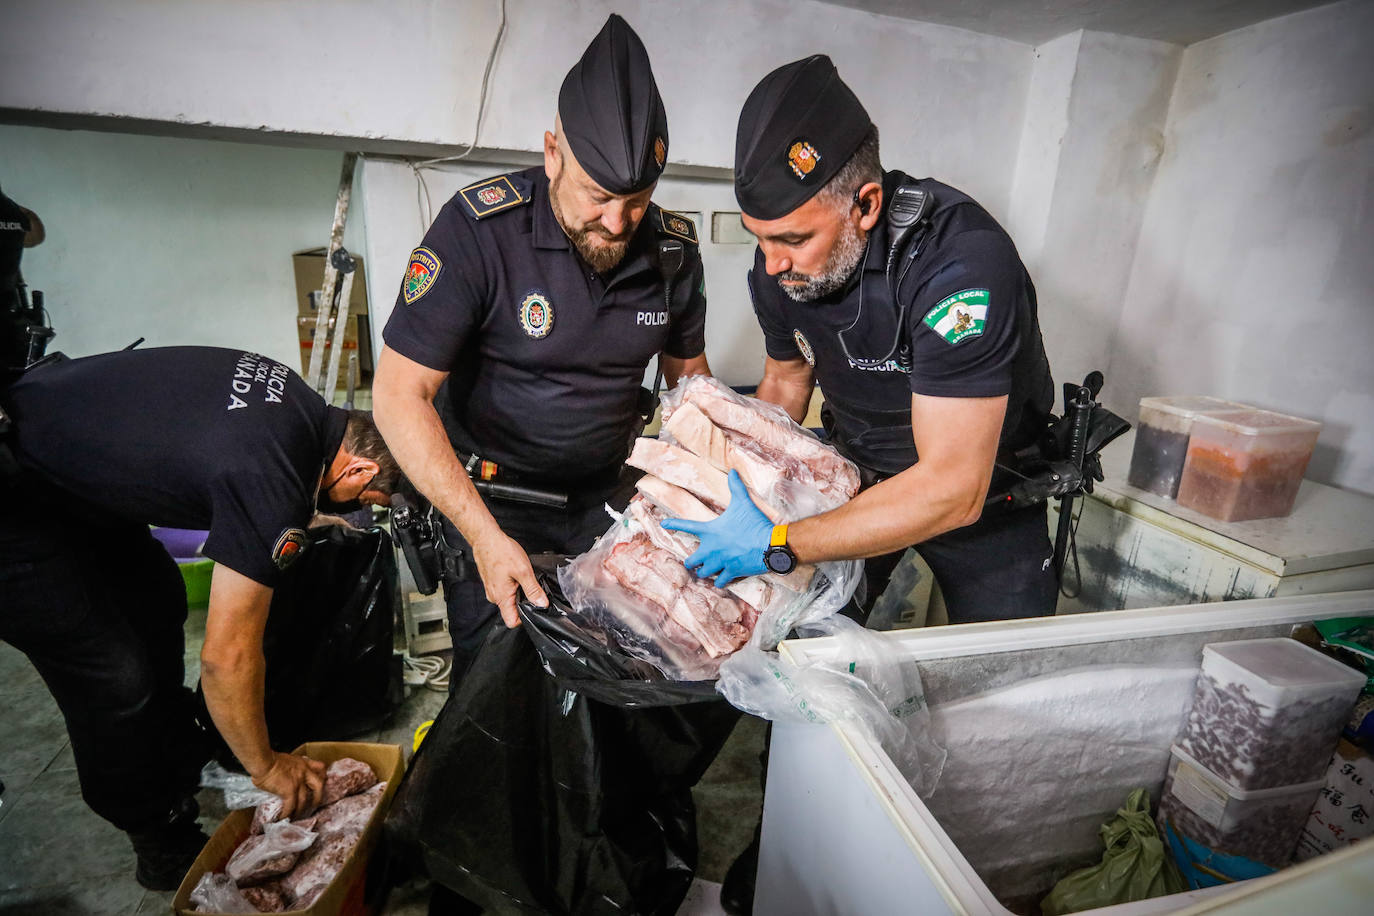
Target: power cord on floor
430	671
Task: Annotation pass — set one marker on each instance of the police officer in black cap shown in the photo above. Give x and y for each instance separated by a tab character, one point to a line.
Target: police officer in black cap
188	437
909	306
20	228
526	319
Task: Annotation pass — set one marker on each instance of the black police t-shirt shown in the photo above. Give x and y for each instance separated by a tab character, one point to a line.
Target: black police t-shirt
14	225
971	331
184	437
545	357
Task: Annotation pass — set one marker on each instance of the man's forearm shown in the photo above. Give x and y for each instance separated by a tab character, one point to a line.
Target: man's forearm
907	509
234	696
791	397
415	434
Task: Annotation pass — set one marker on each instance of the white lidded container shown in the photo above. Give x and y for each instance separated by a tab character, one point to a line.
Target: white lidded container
1246	465
1262	825
1161	439
1268	712
844	832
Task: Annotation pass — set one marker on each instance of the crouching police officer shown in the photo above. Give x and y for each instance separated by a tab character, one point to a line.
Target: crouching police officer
526	320
190	437
908	304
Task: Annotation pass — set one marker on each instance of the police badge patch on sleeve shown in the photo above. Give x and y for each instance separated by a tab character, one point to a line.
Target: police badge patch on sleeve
288	548
424	267
960	316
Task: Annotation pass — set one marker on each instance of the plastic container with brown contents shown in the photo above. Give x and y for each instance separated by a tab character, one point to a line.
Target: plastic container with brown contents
1246	465
1161	439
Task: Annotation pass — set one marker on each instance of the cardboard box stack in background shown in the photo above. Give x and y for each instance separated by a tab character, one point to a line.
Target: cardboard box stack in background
309	269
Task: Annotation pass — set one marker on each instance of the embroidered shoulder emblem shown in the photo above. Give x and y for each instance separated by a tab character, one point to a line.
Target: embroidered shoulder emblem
536	315
671	223
804	346
424	267
289	547
493	196
959	316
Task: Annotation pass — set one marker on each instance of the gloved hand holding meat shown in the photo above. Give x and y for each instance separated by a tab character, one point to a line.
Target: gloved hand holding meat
725	468
286	865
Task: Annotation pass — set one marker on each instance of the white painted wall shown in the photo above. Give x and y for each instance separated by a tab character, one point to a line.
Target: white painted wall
1254	273
178	241
395	225
948	101
1105	150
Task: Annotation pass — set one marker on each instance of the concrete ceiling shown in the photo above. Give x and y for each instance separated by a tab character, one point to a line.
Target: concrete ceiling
1034	22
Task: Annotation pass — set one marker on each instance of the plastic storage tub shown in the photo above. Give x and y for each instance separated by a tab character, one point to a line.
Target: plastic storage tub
1262	825
1161	439
1246	465
1267	712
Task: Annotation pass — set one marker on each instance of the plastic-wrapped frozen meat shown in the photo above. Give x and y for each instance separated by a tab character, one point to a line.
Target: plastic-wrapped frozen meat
349	814
346	777
268	854
319	866
217	893
267	898
633	585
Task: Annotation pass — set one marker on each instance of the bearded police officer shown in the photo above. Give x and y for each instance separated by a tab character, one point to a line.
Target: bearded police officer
524	325
909	306
190	437
907	303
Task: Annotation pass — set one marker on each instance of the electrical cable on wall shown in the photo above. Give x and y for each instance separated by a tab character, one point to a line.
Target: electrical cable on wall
422	198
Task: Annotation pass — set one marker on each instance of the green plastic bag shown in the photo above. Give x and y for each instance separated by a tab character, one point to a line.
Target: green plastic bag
1135	865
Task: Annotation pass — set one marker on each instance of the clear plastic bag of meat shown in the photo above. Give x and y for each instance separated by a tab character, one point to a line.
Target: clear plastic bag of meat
868	684
273	852
217	893
238	788
632	584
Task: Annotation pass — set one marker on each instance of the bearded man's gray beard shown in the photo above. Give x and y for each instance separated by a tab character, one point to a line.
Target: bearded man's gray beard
600	258
839	267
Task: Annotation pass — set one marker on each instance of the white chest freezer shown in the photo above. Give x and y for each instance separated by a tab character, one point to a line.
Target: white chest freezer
1049	724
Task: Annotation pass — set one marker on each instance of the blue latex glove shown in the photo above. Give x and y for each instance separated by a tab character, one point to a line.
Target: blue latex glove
732	545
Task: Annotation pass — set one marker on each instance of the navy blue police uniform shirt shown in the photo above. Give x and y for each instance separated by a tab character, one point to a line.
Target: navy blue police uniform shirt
545	357
14	225
971	331
183	437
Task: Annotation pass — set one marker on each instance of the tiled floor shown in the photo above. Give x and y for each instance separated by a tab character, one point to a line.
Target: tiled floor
58	858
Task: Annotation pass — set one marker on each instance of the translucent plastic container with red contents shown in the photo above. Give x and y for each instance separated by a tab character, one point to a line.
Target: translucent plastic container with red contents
1161	439
1246	465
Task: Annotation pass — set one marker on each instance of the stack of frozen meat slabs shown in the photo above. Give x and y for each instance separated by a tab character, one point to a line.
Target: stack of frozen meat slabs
632	583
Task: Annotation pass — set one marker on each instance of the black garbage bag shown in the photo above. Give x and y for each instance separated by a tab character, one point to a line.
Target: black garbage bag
331	671
530	795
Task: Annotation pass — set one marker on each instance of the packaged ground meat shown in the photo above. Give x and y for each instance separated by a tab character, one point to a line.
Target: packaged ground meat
268	898
319	866
346	777
349	814
272	852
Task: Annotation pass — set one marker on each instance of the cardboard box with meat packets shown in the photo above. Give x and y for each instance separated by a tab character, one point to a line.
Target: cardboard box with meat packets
346	893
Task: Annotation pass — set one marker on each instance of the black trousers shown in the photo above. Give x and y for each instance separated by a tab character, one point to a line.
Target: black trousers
98	608
538	529
998	568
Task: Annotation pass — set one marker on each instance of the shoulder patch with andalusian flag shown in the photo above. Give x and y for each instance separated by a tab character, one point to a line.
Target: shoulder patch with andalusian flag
960	316
421	272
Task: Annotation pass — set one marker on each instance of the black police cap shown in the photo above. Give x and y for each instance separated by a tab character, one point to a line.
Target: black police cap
797	129
612	115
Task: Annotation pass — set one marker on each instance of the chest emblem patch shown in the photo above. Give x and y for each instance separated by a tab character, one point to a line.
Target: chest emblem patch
803	158
290	544
424	267
536	315
804	346
960	316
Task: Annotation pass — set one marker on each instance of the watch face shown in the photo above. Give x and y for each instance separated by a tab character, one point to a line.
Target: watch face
779	560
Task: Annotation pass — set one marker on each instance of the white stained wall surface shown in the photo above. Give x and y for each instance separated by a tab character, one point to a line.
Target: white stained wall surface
396	222
178	241
1254	272
948	101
